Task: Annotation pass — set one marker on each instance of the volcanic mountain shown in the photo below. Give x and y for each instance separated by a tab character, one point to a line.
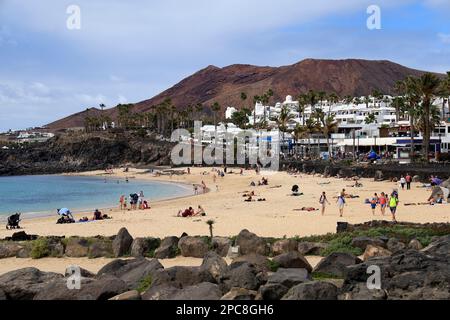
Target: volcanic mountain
345	77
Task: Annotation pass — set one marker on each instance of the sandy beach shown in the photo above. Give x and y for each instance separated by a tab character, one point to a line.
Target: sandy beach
276	217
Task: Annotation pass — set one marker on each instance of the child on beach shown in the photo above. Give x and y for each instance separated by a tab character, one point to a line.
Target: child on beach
122	202
383	201
374	202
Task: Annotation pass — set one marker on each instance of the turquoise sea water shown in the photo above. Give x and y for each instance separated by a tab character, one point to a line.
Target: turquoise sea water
41	195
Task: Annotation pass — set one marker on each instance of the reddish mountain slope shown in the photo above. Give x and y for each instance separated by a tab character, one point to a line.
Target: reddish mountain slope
224	85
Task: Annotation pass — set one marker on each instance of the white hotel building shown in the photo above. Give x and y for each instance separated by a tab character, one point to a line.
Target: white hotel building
386	133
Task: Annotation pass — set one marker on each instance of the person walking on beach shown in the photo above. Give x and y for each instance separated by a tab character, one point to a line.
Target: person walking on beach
323	202
408	179
373	203
393	203
341	203
402	182
383	202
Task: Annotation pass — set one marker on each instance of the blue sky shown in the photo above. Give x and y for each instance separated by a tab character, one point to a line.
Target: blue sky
130	51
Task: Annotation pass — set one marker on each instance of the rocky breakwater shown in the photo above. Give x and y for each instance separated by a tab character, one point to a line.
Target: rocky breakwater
72	152
258	269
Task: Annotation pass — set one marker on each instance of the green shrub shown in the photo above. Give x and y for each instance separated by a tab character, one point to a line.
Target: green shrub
273	266
341	244
323	276
40	248
150	253
144	284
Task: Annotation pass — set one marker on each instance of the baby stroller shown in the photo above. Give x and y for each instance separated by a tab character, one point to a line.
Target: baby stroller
13	222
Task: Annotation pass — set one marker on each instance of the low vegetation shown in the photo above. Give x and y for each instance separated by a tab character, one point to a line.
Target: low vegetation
144	284
341	242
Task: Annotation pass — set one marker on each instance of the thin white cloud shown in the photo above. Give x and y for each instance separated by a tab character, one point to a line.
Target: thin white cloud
115	78
445	38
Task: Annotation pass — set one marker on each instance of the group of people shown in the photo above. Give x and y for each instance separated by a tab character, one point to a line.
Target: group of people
263	182
66	216
137	201
190	212
197	187
384	200
406	181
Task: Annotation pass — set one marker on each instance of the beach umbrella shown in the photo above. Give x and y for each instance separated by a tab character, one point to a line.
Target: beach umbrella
63	211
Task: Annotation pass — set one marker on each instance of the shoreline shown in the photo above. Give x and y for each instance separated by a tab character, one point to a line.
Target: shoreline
83	211
279	216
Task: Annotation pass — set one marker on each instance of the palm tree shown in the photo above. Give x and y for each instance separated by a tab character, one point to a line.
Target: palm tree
312	126
428	86
312	99
190	112
399	104
256	99
412	99
124	114
243	97
357	101
265	98
377	95
283	119
210	223
299	132
321	96
328	125
199	110
333	99
161	113
370	119
173	110
348	99
302	102
366	100
444	93
215	108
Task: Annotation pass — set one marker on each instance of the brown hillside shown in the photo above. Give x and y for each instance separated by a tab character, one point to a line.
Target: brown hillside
345	77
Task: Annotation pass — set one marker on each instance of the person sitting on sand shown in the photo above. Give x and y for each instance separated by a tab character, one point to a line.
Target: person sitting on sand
249	199
249	194
200	211
97	215
145	205
186	213
295	190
